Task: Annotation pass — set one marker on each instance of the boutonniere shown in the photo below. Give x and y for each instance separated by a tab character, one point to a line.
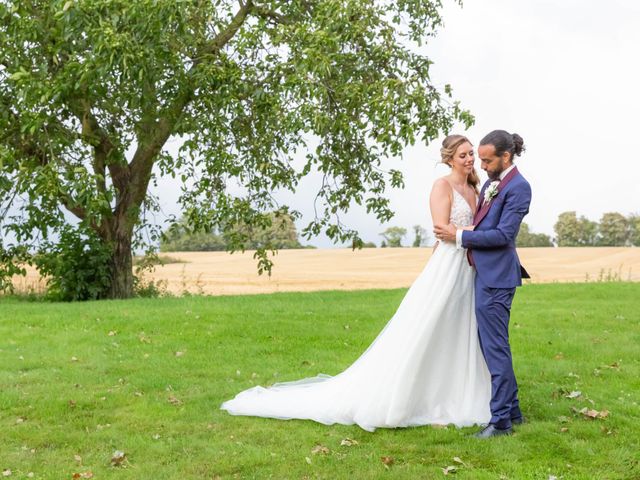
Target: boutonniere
491	192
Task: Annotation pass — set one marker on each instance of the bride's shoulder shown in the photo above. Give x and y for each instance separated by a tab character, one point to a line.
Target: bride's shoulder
441	188
442	185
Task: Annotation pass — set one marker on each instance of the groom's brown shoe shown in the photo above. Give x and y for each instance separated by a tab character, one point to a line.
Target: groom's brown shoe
491	431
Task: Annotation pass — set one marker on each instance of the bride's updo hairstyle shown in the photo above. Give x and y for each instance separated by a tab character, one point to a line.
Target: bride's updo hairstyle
505	142
449	146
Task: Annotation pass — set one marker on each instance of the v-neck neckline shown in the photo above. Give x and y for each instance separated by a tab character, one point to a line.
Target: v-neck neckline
471	207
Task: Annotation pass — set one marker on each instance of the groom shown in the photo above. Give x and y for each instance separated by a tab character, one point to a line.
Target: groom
504	201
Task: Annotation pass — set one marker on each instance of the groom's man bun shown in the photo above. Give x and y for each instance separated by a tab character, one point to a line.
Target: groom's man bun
518	144
504	141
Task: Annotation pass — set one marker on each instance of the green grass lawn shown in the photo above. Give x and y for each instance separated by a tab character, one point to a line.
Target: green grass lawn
147	376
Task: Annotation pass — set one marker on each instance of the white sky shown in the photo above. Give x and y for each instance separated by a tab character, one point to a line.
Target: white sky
562	74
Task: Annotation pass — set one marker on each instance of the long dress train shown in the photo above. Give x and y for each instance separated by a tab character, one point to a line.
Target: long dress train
425	366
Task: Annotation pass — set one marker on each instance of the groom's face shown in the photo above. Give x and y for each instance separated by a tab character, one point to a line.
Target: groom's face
491	163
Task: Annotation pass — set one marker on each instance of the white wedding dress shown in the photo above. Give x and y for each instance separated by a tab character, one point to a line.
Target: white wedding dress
425	367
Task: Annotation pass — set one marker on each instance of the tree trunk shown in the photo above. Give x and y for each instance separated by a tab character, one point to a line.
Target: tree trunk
121	265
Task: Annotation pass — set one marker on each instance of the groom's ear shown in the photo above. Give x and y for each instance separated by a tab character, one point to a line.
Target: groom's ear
506	156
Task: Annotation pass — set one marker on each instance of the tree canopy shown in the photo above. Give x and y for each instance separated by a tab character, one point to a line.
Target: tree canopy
91	91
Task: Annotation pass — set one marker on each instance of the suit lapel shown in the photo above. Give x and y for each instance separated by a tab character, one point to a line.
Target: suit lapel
482	211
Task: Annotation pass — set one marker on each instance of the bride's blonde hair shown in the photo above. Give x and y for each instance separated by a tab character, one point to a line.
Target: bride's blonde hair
449	146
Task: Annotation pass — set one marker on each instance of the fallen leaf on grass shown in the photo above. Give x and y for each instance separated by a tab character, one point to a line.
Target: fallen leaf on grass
88	474
320	449
6	473
74	359
112	333
77	458
308	460
574	394
450	469
591	413
179	354
348	442
559	356
20	420
174	400
118	458
72	403
388	461
564	429
459	460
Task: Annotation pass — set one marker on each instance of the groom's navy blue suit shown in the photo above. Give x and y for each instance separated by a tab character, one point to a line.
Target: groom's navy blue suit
492	249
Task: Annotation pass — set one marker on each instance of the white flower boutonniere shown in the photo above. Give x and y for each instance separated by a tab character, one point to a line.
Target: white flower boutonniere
491	192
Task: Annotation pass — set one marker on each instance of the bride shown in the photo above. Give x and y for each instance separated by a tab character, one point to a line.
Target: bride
425	366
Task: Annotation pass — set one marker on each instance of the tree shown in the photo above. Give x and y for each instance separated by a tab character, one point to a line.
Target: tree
573	232
567	230
633	222
588	231
420	236
393	236
92	91
528	239
613	230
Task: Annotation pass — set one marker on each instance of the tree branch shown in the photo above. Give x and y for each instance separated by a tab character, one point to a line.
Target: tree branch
272	15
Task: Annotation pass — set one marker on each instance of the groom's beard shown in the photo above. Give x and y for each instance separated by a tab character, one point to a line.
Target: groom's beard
495	175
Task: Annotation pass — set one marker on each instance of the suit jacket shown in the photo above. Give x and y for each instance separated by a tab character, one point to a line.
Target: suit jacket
493	241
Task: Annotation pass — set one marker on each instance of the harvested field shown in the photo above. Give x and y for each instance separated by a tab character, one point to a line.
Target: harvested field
220	273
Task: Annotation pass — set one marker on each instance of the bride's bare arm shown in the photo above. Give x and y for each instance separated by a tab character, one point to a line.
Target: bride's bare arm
440	202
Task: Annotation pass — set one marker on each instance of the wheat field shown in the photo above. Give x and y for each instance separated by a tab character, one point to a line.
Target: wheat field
221	273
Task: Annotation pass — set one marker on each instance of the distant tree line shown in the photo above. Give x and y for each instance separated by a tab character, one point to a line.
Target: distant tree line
613	230
393	236
280	234
526	238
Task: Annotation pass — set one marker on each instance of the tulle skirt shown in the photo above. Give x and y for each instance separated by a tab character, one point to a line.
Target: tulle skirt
425	366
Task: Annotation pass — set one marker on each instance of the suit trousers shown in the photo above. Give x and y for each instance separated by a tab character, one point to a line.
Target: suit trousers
493	309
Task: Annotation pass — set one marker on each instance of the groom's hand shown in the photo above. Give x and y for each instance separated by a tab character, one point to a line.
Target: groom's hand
446	233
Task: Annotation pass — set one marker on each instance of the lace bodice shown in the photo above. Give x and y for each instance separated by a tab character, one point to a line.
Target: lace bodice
461	213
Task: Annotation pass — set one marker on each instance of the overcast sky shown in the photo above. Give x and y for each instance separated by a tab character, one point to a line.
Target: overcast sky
562	74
